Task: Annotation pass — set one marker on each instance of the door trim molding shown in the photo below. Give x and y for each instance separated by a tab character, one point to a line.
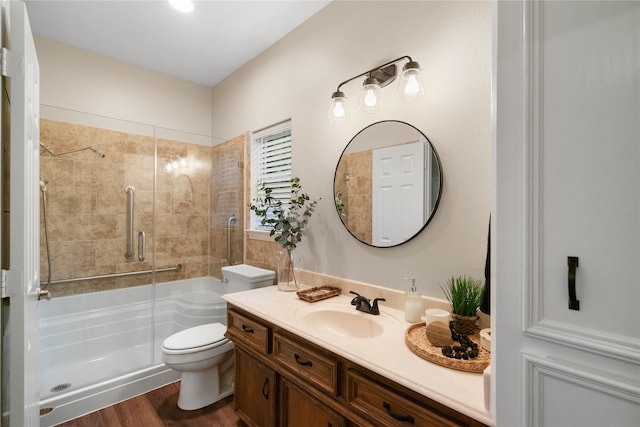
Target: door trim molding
537	369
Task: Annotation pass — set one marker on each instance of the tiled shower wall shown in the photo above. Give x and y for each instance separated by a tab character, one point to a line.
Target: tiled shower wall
353	181
226	235
182	216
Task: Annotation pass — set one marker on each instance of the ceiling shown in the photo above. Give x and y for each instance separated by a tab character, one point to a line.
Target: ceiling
203	46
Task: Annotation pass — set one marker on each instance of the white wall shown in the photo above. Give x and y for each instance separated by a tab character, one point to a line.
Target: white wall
295	78
80	81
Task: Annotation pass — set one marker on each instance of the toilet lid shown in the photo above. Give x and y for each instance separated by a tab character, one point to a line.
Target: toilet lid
197	336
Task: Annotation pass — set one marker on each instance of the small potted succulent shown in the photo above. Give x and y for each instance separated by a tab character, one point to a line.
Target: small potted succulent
464	294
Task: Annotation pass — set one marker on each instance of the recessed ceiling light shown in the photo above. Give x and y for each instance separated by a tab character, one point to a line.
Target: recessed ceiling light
184	6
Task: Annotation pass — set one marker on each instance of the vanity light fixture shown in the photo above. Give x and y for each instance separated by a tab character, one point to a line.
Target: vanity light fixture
409	87
175	163
184	6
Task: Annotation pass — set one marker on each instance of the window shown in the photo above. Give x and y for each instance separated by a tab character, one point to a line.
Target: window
271	164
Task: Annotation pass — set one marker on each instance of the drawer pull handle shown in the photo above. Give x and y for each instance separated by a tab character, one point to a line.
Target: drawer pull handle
405	418
247	330
307	363
265	388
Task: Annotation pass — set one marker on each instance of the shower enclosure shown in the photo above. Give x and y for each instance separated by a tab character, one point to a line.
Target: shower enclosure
135	227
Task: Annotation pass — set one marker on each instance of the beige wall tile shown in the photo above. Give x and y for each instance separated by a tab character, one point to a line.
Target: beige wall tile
86	207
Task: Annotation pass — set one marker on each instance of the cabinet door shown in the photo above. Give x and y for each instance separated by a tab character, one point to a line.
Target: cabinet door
297	409
255	391
567	214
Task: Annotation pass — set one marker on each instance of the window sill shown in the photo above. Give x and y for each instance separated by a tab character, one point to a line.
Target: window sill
259	235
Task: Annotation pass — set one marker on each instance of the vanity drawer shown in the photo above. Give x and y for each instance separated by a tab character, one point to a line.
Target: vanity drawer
248	331
385	407
321	370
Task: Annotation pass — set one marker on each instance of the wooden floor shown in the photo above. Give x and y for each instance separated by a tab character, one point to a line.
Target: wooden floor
159	408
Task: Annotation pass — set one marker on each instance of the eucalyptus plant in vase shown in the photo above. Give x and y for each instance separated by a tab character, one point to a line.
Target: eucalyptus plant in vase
463	293
287	222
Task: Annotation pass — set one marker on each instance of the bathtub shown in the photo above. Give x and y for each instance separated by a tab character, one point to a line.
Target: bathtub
101	348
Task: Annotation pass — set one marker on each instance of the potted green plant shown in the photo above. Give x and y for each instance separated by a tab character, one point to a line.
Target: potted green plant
287	222
463	293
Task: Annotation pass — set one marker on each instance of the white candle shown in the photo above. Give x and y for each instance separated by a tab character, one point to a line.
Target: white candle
436	315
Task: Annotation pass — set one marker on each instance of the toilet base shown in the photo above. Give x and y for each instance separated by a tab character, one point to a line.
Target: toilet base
203	388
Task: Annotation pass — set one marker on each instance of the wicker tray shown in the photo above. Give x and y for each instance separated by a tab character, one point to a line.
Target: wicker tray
416	340
318	293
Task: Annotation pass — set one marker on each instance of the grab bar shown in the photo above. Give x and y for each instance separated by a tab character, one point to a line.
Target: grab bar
231	220
128	255
177	267
142	246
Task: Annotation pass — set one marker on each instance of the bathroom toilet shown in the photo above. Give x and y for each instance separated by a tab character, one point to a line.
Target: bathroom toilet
202	354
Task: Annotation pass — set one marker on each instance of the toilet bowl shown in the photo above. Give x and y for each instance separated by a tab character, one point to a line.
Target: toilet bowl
204	357
202	354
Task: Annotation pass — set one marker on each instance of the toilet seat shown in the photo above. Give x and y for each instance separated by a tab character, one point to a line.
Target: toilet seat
198	338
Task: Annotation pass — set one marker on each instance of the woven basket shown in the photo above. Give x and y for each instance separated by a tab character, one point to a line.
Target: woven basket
465	325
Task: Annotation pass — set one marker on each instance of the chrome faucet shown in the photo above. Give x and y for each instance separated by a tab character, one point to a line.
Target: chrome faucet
364	304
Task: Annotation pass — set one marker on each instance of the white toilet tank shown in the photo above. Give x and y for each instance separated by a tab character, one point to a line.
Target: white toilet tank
242	277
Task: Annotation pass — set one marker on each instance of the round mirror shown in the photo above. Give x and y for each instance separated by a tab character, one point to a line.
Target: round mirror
387	184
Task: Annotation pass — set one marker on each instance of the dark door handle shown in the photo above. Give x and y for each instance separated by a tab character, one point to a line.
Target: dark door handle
574	304
405	418
247	330
297	357
265	388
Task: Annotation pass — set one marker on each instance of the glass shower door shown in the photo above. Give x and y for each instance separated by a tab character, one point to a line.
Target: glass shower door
182	232
98	324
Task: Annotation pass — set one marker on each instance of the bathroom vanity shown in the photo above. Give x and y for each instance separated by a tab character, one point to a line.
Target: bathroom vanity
324	364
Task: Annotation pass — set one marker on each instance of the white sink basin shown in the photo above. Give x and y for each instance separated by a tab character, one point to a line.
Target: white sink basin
343	321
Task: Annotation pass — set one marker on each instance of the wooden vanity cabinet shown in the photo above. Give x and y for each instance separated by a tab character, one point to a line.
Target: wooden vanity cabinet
298	408
283	380
255	391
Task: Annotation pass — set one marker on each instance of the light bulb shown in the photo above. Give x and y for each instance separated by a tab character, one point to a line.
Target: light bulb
370	100
183	162
338	111
413	86
410	86
168	167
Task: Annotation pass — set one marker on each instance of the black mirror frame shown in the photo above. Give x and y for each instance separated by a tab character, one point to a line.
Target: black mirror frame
435	206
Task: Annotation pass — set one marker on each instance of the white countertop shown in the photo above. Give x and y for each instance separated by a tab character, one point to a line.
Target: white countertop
386	354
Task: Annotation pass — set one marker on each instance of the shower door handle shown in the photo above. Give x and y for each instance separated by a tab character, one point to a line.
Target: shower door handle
142	246
128	255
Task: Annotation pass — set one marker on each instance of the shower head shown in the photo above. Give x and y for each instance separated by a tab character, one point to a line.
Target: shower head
98	152
43	184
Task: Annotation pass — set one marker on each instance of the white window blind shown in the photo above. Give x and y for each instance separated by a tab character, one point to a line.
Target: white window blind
271	164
